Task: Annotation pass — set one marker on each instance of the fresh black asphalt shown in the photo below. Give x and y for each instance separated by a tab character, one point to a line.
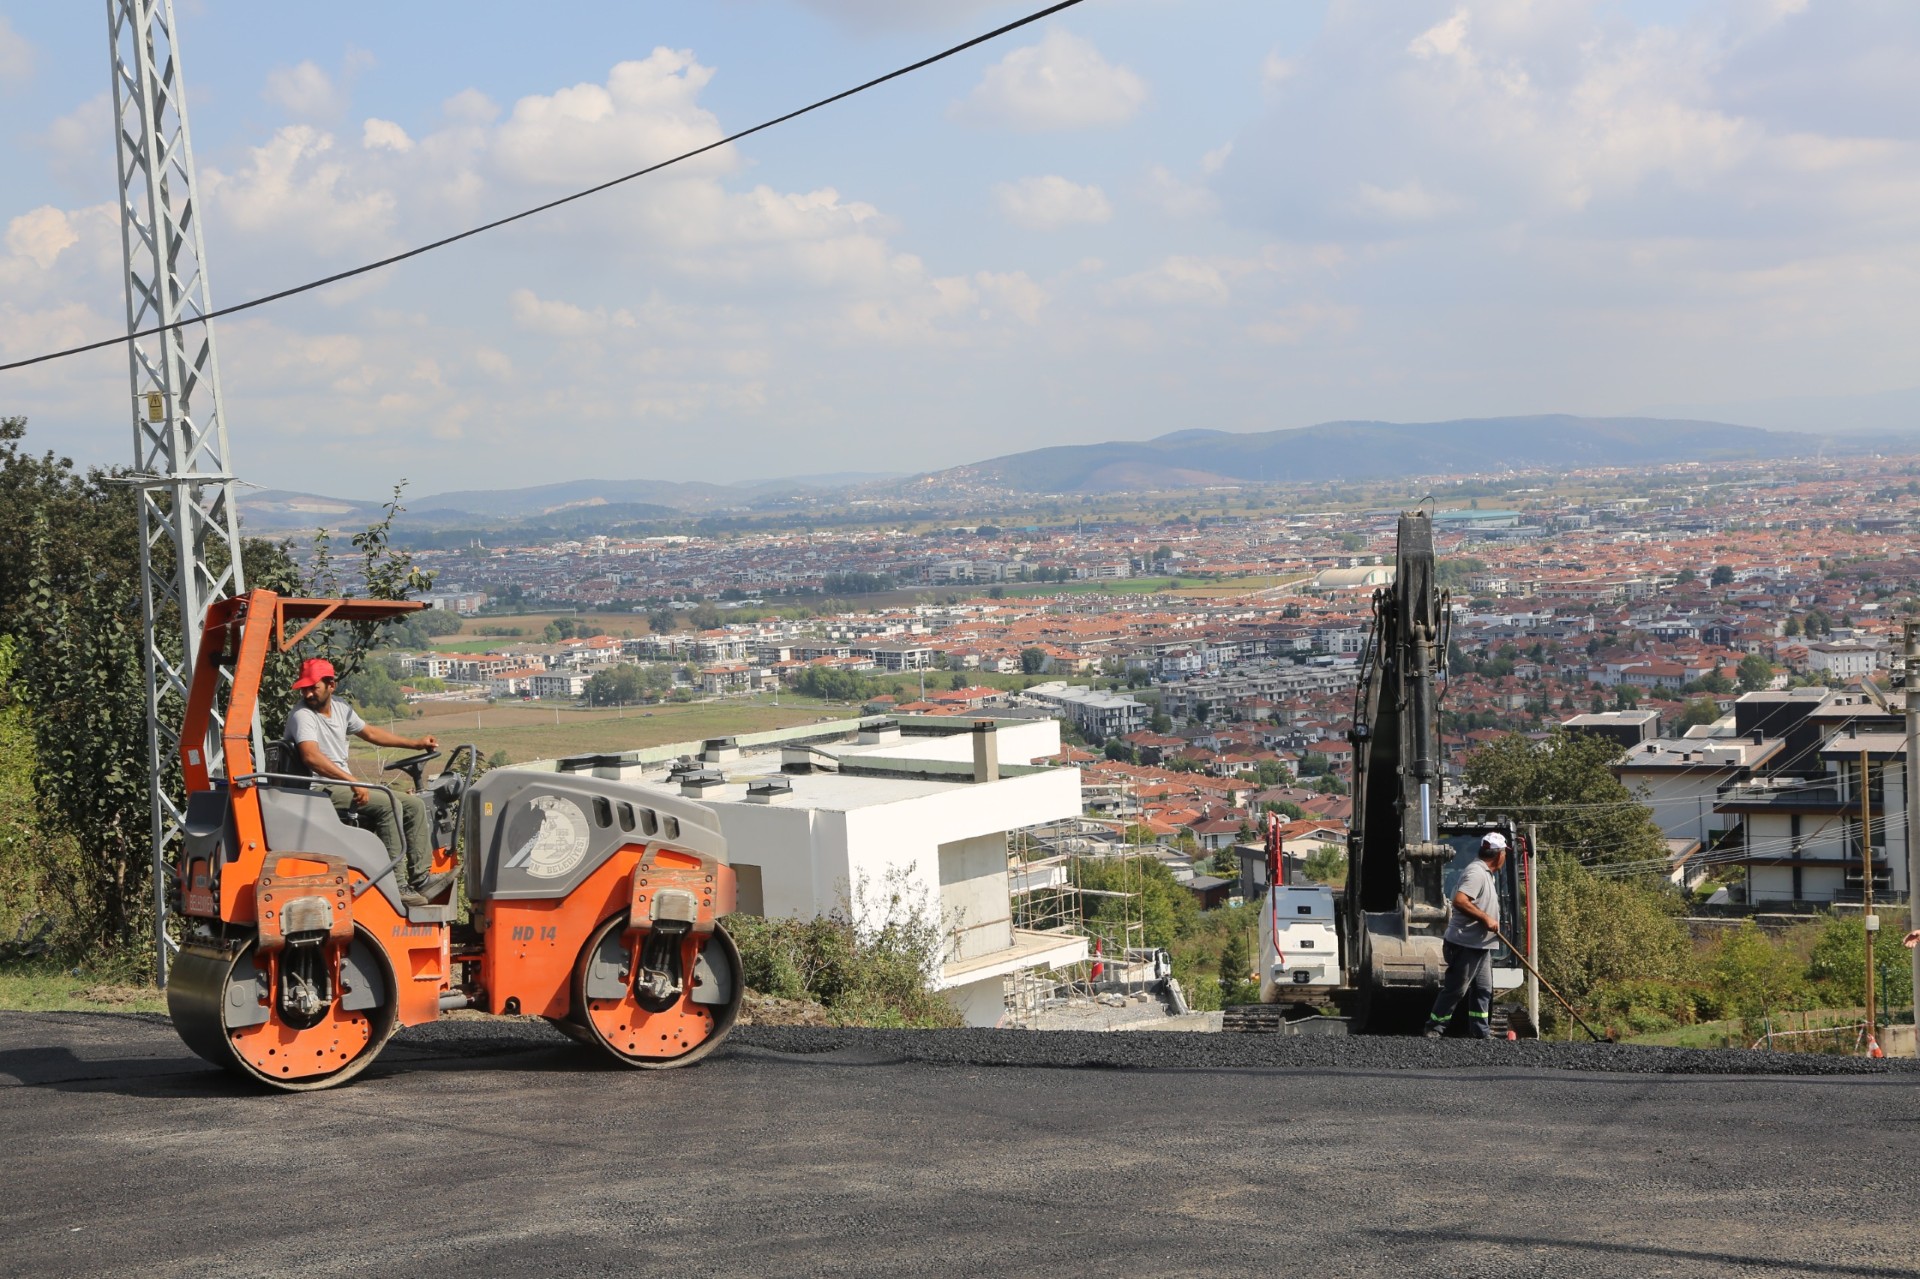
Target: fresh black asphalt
484	1148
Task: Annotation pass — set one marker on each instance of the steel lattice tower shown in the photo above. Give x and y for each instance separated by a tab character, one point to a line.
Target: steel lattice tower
179	430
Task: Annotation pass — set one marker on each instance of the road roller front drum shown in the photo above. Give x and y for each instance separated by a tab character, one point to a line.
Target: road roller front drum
295	1018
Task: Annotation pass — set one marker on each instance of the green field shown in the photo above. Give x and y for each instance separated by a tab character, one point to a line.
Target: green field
545	730
531	626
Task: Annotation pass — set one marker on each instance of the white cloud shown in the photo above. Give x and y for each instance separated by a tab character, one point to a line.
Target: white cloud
1410	202
1176	197
563	319
16	58
495	364
1014	292
1446	39
79	144
1275	70
298	188
1178	281
1050	202
1061	83
385	135
645	113
41	235
304	92
1293	324
1215	160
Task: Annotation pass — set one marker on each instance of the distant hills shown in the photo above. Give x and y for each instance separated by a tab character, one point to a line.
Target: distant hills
1372	451
1184	459
567	503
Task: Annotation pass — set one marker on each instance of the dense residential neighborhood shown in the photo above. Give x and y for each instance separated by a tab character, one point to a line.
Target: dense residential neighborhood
1214	682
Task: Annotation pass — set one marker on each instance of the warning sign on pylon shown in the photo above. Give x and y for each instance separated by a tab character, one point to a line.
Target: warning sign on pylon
156	407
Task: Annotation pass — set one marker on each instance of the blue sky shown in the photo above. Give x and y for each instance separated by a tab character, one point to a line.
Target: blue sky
1142	216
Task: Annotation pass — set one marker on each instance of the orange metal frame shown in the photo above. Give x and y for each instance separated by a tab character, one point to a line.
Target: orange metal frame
240	631
532	947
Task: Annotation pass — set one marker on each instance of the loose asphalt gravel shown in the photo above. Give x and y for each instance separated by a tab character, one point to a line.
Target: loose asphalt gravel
497	1148
1145	1050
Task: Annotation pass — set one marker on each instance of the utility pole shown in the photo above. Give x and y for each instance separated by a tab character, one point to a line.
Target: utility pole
185	485
1910	658
1533	925
1870	920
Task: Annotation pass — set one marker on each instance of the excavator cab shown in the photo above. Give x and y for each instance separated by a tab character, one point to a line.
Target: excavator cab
593	903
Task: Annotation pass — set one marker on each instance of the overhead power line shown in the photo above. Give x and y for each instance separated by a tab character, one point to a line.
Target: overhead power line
468	234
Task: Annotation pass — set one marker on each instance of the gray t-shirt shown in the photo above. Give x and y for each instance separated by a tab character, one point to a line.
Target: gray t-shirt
1476	881
330	730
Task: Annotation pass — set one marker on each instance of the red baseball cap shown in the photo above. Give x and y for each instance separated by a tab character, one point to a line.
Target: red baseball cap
312	671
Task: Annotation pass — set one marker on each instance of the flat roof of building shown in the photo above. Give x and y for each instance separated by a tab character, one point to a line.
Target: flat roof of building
1669	753
1597	719
1876	745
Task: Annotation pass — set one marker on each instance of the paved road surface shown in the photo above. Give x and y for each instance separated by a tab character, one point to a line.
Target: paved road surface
490	1150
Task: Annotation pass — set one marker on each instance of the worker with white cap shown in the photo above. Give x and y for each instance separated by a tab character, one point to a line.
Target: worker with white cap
1473	934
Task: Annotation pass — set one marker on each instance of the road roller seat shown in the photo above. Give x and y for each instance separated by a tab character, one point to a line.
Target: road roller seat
283	760
299	820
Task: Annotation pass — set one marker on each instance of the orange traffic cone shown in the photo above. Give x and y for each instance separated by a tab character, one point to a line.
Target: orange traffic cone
1873	1047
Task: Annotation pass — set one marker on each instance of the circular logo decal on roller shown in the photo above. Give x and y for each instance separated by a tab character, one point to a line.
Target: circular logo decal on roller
548	837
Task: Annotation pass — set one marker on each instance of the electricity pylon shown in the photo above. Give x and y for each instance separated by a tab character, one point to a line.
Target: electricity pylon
189	530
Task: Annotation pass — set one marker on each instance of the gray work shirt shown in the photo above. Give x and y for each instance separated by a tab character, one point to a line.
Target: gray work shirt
1476	881
331	730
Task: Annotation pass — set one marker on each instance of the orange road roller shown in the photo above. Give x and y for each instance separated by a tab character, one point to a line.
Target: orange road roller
590	902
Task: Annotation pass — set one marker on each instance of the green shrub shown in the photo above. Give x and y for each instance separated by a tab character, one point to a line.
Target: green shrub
1837	965
1752	977
879	974
1598	932
1645	1006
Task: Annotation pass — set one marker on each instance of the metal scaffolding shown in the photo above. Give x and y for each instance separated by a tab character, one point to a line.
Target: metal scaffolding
189	530
1043	875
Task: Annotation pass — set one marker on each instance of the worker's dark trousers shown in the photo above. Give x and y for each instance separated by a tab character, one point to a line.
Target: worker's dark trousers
1469	975
377	816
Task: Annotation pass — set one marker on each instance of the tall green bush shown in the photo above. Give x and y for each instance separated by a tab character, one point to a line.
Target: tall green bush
880	970
1598	932
1753	977
1838	965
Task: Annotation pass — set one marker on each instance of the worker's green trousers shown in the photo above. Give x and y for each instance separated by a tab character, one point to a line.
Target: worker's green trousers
1469	974
377	816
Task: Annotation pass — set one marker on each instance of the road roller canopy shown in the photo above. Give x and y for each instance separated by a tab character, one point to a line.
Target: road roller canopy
240	632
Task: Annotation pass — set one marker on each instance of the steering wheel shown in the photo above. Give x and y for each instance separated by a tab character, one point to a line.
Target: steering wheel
412	762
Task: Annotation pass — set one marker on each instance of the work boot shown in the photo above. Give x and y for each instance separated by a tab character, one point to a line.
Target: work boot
1436	1032
434	885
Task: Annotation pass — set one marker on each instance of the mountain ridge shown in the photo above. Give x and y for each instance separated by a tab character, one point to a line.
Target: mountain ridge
1195	457
1372	450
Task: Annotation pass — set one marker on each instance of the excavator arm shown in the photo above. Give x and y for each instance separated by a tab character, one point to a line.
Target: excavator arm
1393	910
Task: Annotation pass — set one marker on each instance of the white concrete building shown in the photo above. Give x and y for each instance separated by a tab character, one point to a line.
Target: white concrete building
1097	713
888	820
432	665
558	684
1800	838
1845	660
1681	780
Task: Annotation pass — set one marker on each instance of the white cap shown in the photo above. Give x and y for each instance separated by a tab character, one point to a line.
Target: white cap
1493	842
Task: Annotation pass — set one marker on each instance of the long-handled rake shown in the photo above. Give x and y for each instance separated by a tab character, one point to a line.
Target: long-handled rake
1522	957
